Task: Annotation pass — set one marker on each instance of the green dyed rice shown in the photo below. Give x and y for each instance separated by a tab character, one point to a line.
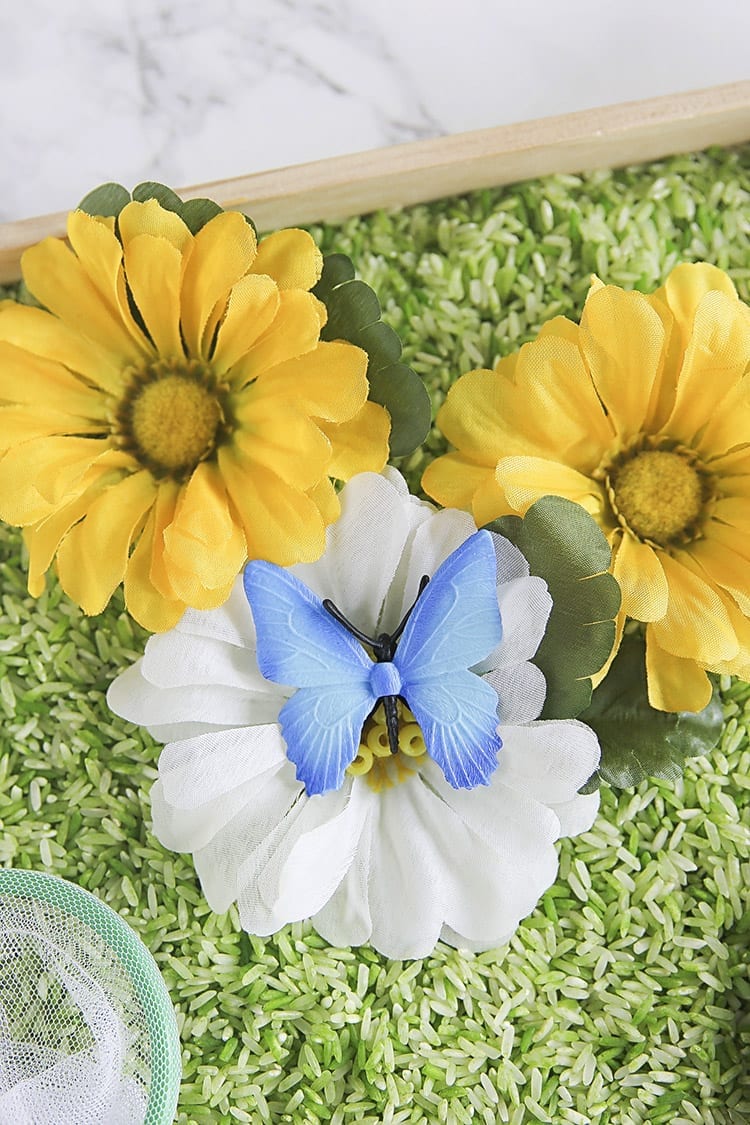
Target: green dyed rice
624	998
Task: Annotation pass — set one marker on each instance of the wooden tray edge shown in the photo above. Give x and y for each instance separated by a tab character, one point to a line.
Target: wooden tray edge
401	175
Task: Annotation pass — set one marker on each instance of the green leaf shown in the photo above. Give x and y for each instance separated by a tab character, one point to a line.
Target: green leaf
405	397
337	269
563	545
105	200
351	307
354	316
195	213
638	741
169	199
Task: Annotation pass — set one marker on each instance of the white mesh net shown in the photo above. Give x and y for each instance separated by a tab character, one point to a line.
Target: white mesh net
87	1032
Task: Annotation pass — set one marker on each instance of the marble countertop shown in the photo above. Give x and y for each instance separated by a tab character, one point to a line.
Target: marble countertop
183	91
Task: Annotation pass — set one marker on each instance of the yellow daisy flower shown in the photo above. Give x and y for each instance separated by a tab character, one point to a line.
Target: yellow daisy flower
642	415
172	410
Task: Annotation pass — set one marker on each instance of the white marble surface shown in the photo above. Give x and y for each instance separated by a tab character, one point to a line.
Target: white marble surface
185	91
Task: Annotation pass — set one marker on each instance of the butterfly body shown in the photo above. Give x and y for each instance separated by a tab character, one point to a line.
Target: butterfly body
308	644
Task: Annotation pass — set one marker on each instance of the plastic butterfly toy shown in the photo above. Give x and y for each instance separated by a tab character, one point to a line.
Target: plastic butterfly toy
308	644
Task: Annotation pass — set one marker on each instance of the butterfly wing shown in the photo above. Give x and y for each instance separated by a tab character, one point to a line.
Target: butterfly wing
456	621
455	624
458	718
322	728
299	643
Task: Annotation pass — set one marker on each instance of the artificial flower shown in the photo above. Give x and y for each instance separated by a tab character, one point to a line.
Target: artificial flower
171	410
641	414
396	856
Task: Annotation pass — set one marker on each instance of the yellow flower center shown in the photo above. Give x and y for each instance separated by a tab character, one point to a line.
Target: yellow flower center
171	416
375	761
659	494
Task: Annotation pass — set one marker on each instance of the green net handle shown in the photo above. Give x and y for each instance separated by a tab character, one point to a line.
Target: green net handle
148	985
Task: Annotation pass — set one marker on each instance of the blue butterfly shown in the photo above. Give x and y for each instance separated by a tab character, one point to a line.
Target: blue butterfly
308	644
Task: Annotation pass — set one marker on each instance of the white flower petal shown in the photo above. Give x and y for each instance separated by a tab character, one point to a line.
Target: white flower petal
525	606
270	895
461	941
578	814
521	691
190	830
197	770
432	541
407	883
232	622
176	732
262	809
364	547
174	659
511	563
134	698
550	760
345	919
316	862
513	824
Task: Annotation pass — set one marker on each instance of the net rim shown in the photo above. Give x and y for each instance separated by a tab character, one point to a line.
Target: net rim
125	943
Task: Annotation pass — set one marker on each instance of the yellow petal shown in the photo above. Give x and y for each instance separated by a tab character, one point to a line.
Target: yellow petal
253	304
36	476
20	423
489	501
674	683
623	341
686	287
154	272
620	622
717	356
281	524
490	415
728	426
526	479
472	415
43	539
223	251
561	326
739	665
29	379
100	254
454	478
723	566
328	382
637	568
142	600
326	499
204	548
731	516
163	512
151	218
59	282
294	332
359	445
37	332
274	434
291	257
696	625
92	558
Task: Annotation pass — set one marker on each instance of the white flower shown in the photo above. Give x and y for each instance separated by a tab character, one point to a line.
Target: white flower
399	865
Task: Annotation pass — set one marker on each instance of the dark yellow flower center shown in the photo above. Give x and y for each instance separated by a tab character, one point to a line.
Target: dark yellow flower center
172	416
374	760
659	494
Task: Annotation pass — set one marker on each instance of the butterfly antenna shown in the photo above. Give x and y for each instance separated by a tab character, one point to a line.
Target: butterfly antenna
422	585
336	613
